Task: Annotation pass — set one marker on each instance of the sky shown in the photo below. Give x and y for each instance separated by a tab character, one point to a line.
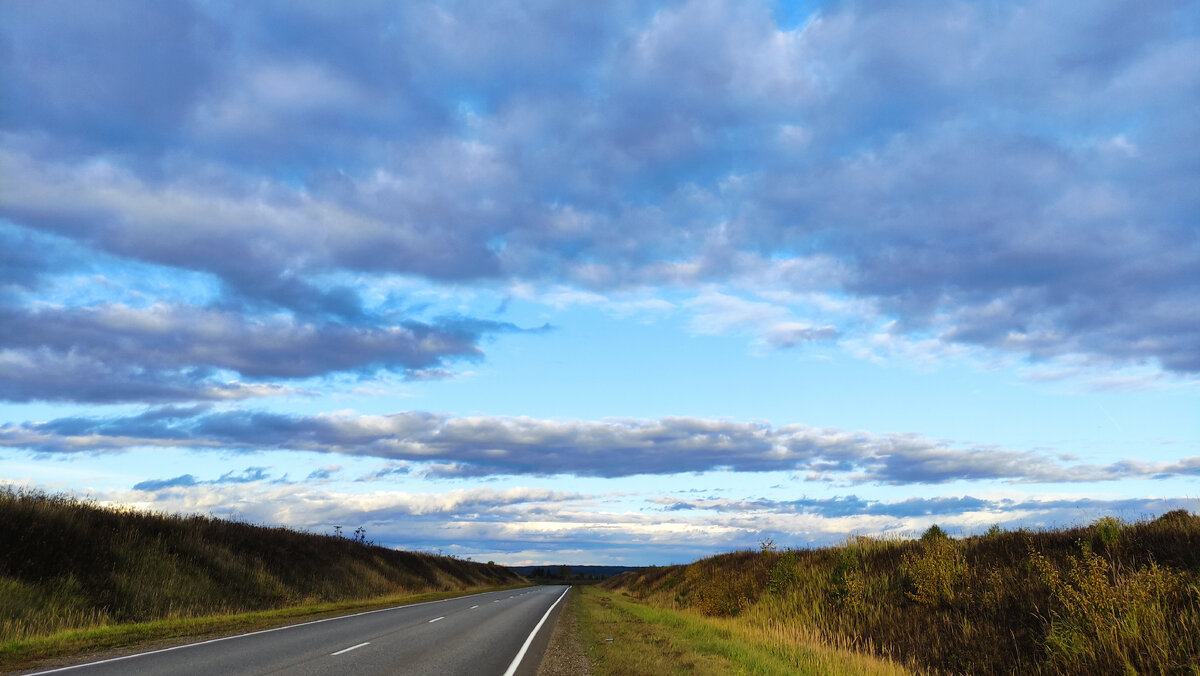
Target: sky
614	283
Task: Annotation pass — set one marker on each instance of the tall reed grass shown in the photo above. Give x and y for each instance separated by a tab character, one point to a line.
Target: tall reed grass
1111	597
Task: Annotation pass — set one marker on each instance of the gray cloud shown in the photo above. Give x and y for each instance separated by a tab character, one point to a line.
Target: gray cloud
445	446
965	512
326	472
848	505
162	353
1018	178
24	258
248	475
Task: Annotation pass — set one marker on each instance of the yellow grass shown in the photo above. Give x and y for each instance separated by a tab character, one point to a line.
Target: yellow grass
651	641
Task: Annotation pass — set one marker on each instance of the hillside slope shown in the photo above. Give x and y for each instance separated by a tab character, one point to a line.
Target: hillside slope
1108	598
67	564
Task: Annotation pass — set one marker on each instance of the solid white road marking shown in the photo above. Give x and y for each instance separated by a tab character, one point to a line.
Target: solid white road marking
353	647
512	668
437	618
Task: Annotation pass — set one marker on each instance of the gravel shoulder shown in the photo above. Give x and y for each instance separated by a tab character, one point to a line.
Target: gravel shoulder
565	655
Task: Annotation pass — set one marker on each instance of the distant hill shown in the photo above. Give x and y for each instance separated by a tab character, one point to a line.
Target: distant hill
557	571
66	564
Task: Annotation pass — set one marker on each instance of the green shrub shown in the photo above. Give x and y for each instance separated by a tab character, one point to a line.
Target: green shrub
783	575
934	533
934	569
1108	533
849	587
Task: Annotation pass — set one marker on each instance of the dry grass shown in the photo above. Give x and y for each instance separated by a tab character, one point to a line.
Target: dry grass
627	638
68	565
1107	598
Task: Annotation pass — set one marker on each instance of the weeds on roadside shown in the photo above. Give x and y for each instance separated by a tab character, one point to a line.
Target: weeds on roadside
1108	618
67	564
1105	598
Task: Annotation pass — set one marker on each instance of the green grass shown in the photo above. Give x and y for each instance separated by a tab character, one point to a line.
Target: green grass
1112	597
75	575
653	640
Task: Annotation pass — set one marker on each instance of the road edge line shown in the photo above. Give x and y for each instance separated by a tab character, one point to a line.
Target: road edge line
512	668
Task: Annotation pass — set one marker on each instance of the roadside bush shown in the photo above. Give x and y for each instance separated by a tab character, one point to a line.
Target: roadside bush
1108	533
849	587
934	569
783	575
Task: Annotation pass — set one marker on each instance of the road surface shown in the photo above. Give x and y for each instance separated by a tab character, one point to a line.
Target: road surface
501	633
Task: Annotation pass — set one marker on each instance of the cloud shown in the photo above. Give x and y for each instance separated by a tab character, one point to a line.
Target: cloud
513	521
248	475
97	94
717	313
965	514
25	258
180	481
112	353
398	506
325	472
443	446
835	507
1009	178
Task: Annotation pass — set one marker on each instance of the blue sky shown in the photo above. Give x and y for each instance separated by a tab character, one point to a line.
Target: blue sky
551	282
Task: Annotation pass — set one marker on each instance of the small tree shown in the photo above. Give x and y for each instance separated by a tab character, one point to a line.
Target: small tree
934	533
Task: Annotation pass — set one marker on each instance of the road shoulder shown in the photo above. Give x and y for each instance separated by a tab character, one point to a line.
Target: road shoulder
565	655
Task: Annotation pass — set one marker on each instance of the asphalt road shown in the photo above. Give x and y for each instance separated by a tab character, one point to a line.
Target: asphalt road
500	633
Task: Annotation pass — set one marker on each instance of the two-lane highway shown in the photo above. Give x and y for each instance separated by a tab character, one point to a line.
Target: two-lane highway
492	633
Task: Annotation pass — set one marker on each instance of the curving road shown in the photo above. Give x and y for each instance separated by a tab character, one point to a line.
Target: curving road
502	633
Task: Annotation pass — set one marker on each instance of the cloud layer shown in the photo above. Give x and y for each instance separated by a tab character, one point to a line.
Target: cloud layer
204	204
1019	178
519	524
448	446
113	353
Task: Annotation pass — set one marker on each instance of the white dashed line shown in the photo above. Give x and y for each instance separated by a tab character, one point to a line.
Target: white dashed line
437	618
353	647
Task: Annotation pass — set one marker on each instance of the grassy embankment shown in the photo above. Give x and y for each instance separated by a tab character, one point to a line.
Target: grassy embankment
1112	598
76	577
649	640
